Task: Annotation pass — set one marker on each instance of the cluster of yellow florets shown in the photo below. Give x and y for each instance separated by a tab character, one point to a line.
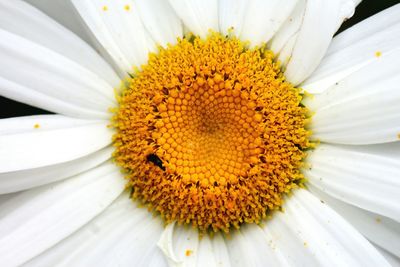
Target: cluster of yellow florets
210	133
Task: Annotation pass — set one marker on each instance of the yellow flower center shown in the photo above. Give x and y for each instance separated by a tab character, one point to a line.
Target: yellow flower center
210	133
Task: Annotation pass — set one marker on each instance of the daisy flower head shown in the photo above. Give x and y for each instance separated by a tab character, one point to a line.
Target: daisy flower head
200	133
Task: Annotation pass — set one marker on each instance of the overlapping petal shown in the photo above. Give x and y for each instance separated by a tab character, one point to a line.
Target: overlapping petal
362	108
256	21
37	219
307	33
124	235
379	229
182	246
47	66
310	233
363	179
118	28
39	141
357	47
199	16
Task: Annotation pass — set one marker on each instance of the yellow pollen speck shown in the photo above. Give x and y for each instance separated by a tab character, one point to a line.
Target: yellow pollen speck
378	53
36	126
378	219
105	8
211	134
188	252
398	136
127	7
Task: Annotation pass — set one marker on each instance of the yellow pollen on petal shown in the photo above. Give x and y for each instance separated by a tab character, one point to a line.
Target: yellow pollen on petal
105	8
127	7
210	133
188	252
378	53
36	126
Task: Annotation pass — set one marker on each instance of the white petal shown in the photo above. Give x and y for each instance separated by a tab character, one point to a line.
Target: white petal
199	16
289	242
179	245
25	179
205	255
182	247
221	253
25	21
37	219
58	139
166	245
6	197
309	233
118	28
160	20
377	228
393	260
363	108
212	251
264	18
232	15
362	179
94	236
158	259
284	40
63	12
250	246
387	150
357	47
123	235
35	75
319	22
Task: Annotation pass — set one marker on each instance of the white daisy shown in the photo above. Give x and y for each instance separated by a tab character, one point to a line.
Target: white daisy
63	201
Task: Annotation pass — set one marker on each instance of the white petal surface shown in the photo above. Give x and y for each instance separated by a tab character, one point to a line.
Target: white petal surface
160	20
124	235
6	197
357	47
199	16
309	233
182	247
35	75
250	246
158	259
393	260
387	150
118	28
231	15
179	245
57	139
363	108
377	228
319	22
37	219
284	40
63	12
29	178
362	179
221	253
264	18
25	21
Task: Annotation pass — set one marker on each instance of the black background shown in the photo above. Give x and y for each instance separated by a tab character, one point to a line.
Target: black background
9	108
